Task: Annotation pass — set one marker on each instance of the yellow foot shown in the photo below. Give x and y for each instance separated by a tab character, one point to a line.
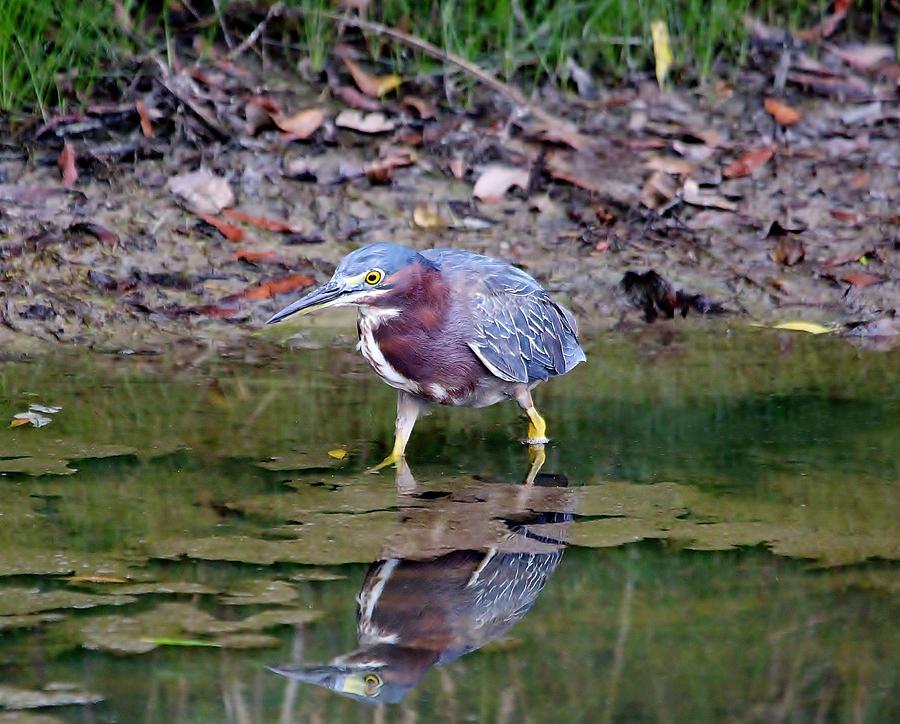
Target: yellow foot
536	459
537	428
392	459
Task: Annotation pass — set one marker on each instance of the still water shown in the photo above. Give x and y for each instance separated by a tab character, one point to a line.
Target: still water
713	537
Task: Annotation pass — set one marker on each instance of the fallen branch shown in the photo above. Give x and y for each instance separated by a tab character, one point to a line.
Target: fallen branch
274	11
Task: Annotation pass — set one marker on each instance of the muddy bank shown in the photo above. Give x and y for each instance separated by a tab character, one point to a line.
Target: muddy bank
99	247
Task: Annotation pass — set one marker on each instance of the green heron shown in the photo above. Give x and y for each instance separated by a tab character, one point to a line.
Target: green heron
415	613
450	327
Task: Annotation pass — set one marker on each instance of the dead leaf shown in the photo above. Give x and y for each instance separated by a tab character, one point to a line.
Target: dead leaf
372	85
496	180
277	286
788	251
797	326
66	163
301	125
229	231
457	167
670	164
653	294
748	162
36	419
202	191
364	123
356	99
847	216
262	222
144	115
861	280
259	112
423	108
827	25
427	216
658	190
337	453
382	170
253	257
783	114
864	57
691	194
101	233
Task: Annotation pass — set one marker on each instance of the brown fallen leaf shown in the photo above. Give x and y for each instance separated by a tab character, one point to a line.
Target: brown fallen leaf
861	279
847	216
382	170
66	163
748	162
259	112
691	194
827	25
229	231
252	257
356	99
262	222
368	123
144	115
277	286
783	114
301	125
788	250
372	85
864	57
496	180
202	191
423	108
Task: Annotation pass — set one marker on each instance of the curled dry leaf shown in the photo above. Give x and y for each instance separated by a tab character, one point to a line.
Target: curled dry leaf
382	169
364	123
783	114
748	162
229	231
144	115
254	257
496	180
372	85
301	125
658	190
788	251
202	191
423	108
66	163
691	194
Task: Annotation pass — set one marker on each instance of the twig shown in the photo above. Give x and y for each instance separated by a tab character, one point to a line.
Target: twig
228	41
485	77
274	11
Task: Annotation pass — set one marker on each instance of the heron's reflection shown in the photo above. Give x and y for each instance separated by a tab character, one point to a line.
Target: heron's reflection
465	567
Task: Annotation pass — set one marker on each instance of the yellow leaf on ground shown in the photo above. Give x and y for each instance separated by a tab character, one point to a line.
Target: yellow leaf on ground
338	453
662	50
798	326
372	85
95	579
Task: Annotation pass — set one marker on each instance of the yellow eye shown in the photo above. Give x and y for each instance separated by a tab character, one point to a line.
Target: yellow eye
374	276
373	683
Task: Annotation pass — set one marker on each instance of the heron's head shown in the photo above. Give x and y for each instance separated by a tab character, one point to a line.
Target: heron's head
365	277
381	673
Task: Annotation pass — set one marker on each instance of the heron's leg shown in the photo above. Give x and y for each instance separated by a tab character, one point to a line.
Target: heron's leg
408	409
536	459
537	426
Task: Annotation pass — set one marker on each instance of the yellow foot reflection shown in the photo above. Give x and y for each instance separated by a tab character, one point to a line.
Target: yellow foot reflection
536	459
392	459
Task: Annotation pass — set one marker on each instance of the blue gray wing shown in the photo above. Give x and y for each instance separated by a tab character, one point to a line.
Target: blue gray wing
519	332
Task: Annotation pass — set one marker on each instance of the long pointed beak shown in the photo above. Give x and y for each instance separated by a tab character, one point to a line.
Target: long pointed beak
327	294
320	675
